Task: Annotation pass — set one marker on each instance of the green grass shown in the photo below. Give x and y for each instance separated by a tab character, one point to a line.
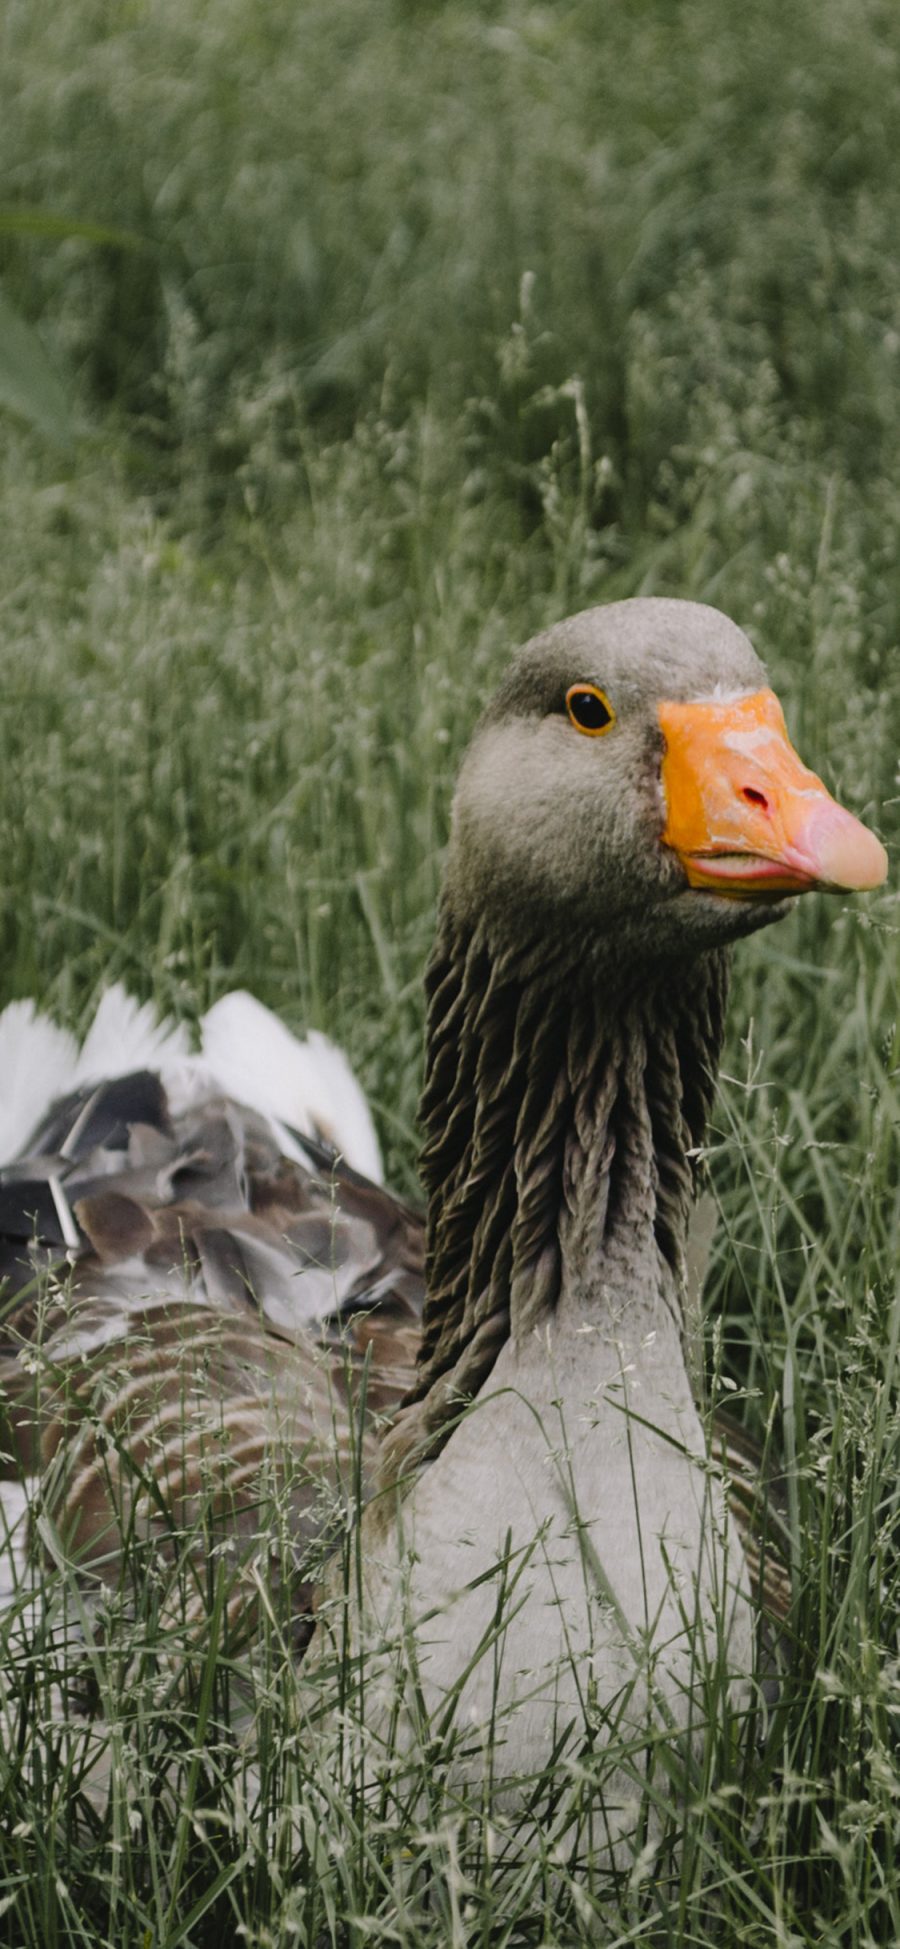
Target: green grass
450	320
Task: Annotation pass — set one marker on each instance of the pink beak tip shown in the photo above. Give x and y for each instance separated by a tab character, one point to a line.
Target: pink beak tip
842	852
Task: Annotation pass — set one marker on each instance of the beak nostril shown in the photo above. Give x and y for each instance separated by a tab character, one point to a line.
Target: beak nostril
753	797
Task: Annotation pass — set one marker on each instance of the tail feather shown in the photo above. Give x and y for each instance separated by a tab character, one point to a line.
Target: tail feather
308	1085
126	1035
245	1053
37	1064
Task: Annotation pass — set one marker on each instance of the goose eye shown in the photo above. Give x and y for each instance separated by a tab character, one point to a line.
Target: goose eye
589	709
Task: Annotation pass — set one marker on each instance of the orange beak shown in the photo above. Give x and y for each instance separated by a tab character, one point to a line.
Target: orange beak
745	817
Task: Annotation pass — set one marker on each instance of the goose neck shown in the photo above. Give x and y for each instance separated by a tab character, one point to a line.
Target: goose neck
563	1105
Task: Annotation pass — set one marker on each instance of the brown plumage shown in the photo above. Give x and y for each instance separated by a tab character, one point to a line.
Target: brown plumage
193	1318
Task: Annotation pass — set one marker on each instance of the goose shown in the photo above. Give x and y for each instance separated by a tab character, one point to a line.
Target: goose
546	1537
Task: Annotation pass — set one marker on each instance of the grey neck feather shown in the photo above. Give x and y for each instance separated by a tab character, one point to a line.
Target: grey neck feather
560	1109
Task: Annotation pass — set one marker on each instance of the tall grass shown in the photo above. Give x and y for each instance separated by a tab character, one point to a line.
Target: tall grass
339	206
450	320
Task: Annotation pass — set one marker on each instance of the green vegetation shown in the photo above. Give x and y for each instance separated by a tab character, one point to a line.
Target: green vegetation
394	331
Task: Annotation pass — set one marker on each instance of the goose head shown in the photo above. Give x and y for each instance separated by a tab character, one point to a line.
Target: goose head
631	795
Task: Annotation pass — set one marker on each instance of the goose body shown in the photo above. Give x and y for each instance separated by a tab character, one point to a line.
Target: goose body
599	1580
544	1513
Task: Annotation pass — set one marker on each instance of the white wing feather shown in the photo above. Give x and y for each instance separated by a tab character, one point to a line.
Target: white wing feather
245	1053
126	1035
37	1064
309	1085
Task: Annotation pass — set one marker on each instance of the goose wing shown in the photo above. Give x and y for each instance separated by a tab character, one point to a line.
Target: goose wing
193	1317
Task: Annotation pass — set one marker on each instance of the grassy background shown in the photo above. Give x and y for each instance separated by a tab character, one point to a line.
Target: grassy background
437	322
